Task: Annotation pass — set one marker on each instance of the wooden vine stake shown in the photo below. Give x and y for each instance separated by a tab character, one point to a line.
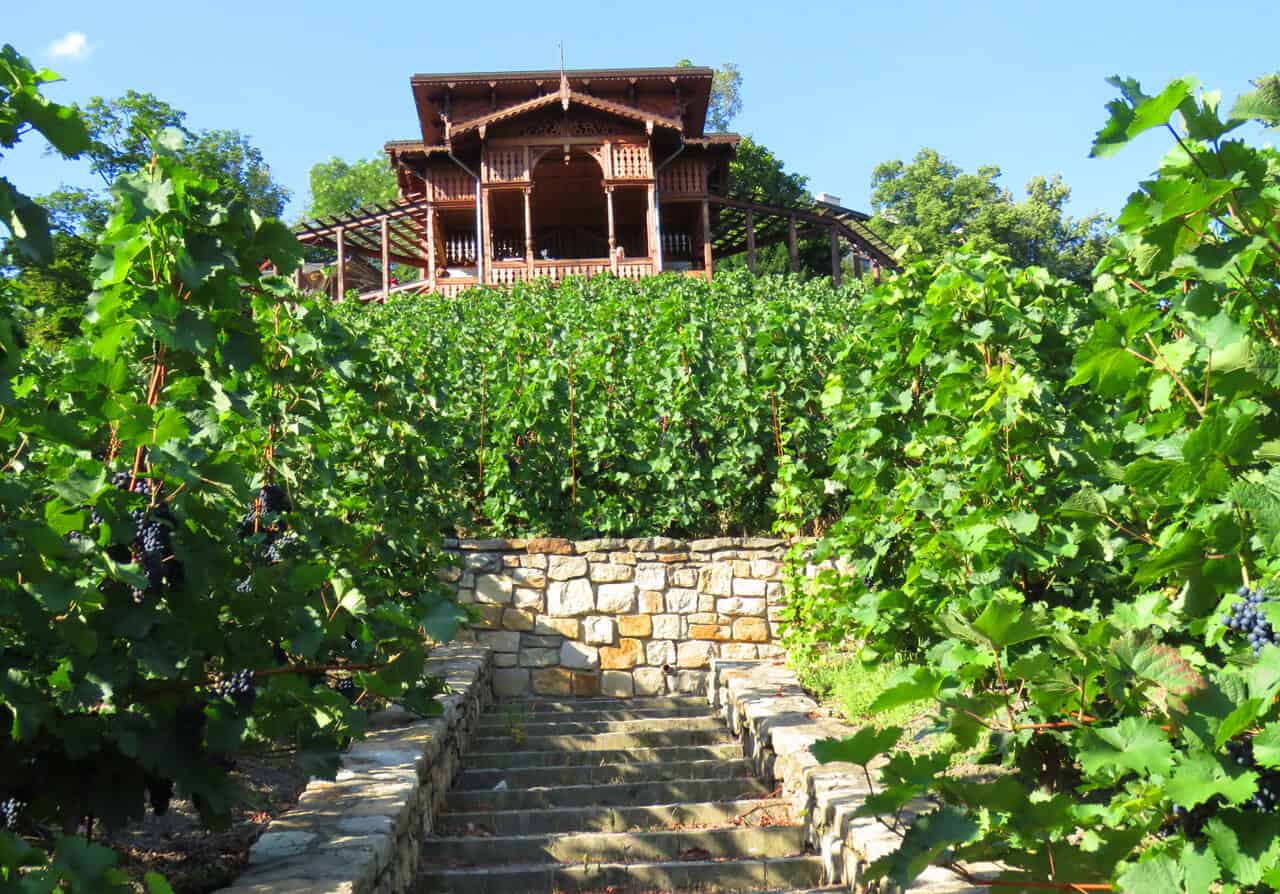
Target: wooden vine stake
573	443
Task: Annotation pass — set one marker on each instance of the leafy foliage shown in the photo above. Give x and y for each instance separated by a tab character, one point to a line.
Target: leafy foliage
933	206
339	187
610	407
1053	498
217	499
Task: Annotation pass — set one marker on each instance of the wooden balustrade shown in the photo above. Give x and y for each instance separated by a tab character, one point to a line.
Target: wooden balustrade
631	162
683	177
502	165
452	186
506	273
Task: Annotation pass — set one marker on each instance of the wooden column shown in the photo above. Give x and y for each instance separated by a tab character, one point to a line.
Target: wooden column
431	245
613	242
652	238
528	229
342	265
857	266
483	252
706	238
386	257
751	241
835	259
792	252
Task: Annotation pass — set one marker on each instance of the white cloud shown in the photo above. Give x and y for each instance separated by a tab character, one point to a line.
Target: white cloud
72	45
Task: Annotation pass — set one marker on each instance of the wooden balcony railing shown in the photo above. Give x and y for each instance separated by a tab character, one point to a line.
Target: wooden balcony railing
451	186
683	177
505	273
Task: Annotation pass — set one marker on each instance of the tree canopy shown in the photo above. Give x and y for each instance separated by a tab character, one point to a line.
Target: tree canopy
339	187
726	95
932	205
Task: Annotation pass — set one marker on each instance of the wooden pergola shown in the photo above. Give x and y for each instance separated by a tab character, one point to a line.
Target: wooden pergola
402	234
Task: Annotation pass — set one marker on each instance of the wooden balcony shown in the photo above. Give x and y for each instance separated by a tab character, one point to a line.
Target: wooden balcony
505	273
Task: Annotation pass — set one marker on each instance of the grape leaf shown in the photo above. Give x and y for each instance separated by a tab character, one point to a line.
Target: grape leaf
860	748
1199	777
1135	744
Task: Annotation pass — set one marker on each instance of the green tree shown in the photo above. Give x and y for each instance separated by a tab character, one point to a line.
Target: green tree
339	187
726	95
124	130
933	206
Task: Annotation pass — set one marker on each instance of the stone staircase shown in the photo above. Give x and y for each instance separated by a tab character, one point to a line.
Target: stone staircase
611	795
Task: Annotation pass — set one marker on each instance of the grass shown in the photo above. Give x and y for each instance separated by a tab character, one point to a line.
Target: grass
840	681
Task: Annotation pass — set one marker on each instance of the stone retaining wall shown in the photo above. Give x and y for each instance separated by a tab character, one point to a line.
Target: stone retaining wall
619	617
362	833
764	704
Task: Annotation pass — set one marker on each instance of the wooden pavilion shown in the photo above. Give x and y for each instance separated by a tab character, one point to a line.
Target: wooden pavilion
531	174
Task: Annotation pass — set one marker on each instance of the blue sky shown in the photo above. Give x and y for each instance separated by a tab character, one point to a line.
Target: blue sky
831	88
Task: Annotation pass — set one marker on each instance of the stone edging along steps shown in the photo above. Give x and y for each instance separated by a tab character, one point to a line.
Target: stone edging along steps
768	710
363	832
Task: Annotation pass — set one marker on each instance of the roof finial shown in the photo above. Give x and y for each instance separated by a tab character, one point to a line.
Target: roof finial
564	80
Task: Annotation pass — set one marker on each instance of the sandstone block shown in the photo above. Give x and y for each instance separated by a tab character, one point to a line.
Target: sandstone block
651	576
672	558
547	625
488	617
599	630
601	558
716	579
737	605
608	573
449	573
741	568
713	632
768	650
551	681
526	597
711	544
706	602
689	682
616	599
493	589
695	654
505	659
556	546
488	545
622	558
585	684
649	681
634	625
766	569
540	641
510	681
570	598
499	640
628	653
684	577
751	630
515	619
739	651
579	655
538	560
566	567
659	652
681	602
482	562
601	544
529	577
539	657
617	684
666	626
651	602
748	586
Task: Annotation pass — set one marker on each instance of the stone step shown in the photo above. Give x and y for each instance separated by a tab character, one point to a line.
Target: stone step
608	795
746	811
577	705
619	847
487	760
500	718
536	777
603	741
577	727
782	873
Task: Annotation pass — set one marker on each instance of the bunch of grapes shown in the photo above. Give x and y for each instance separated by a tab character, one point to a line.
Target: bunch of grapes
10	810
1163	305
1192	821
346	687
265	517
1246	617
151	547
1267	795
238	687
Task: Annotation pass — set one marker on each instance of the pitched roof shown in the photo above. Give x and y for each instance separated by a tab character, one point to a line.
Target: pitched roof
614	108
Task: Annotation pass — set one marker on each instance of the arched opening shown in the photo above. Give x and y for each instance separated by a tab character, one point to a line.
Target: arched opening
570	218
